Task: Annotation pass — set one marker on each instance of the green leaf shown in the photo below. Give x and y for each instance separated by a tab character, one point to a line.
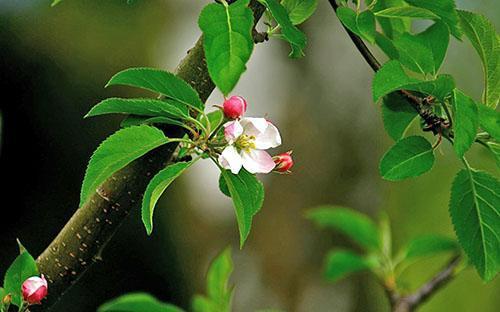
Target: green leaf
389	78
387	46
436	38
227	41
481	33
290	33
299	10
475	212
137	121
489	119
429	245
223	186
116	152
407	11
137	302
342	263
215	118
156	187
445	9
159	81
248	196
466	122
413	54
397	115
218	278
362	25
494	148
355	225
392	27
409	157
392	77
23	267
141	107
219	293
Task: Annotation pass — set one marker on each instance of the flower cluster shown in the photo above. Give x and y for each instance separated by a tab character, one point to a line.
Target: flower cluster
247	139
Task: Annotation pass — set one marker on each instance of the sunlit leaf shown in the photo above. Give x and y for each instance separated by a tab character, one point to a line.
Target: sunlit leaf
117	151
155	189
475	212
299	10
227	41
409	157
489	119
445	9
341	263
141	107
429	245
137	302
466	122
406	11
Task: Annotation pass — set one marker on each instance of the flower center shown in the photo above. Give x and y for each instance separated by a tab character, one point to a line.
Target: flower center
245	142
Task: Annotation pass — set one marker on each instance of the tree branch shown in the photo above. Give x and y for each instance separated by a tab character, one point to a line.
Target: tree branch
434	123
80	242
410	302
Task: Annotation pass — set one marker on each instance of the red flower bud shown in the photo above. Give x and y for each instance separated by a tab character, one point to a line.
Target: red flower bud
283	162
34	289
234	107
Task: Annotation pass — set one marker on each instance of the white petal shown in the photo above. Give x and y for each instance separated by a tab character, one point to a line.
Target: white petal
230	159
269	139
254	126
256	161
232	130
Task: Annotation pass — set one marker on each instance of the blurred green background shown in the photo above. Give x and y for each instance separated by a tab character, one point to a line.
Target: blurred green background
54	63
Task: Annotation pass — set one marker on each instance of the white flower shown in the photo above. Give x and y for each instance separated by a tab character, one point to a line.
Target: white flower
248	139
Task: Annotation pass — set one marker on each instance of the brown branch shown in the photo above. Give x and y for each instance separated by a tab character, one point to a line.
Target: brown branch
80	242
411	302
434	123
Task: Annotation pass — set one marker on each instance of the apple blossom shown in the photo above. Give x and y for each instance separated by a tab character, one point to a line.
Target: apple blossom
248	139
234	107
34	289
283	162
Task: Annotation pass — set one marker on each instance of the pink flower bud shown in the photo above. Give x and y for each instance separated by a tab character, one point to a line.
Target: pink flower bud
34	289
283	162
234	107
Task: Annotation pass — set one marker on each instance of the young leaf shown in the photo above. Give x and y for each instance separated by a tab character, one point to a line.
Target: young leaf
413	54
55	2
156	187
227	41
342	263
485	40
409	157
466	122
116	152
475	212
248	196
215	119
445	9
362	25
299	10
23	267
489	119
223	186
159	81
219	294
389	78
292	34
141	107
397	115
436	38
429	245
355	225
406	12
392	27
137	302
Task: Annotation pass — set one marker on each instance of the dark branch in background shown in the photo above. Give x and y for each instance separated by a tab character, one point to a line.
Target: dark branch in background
434	123
437	125
412	301
80	242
